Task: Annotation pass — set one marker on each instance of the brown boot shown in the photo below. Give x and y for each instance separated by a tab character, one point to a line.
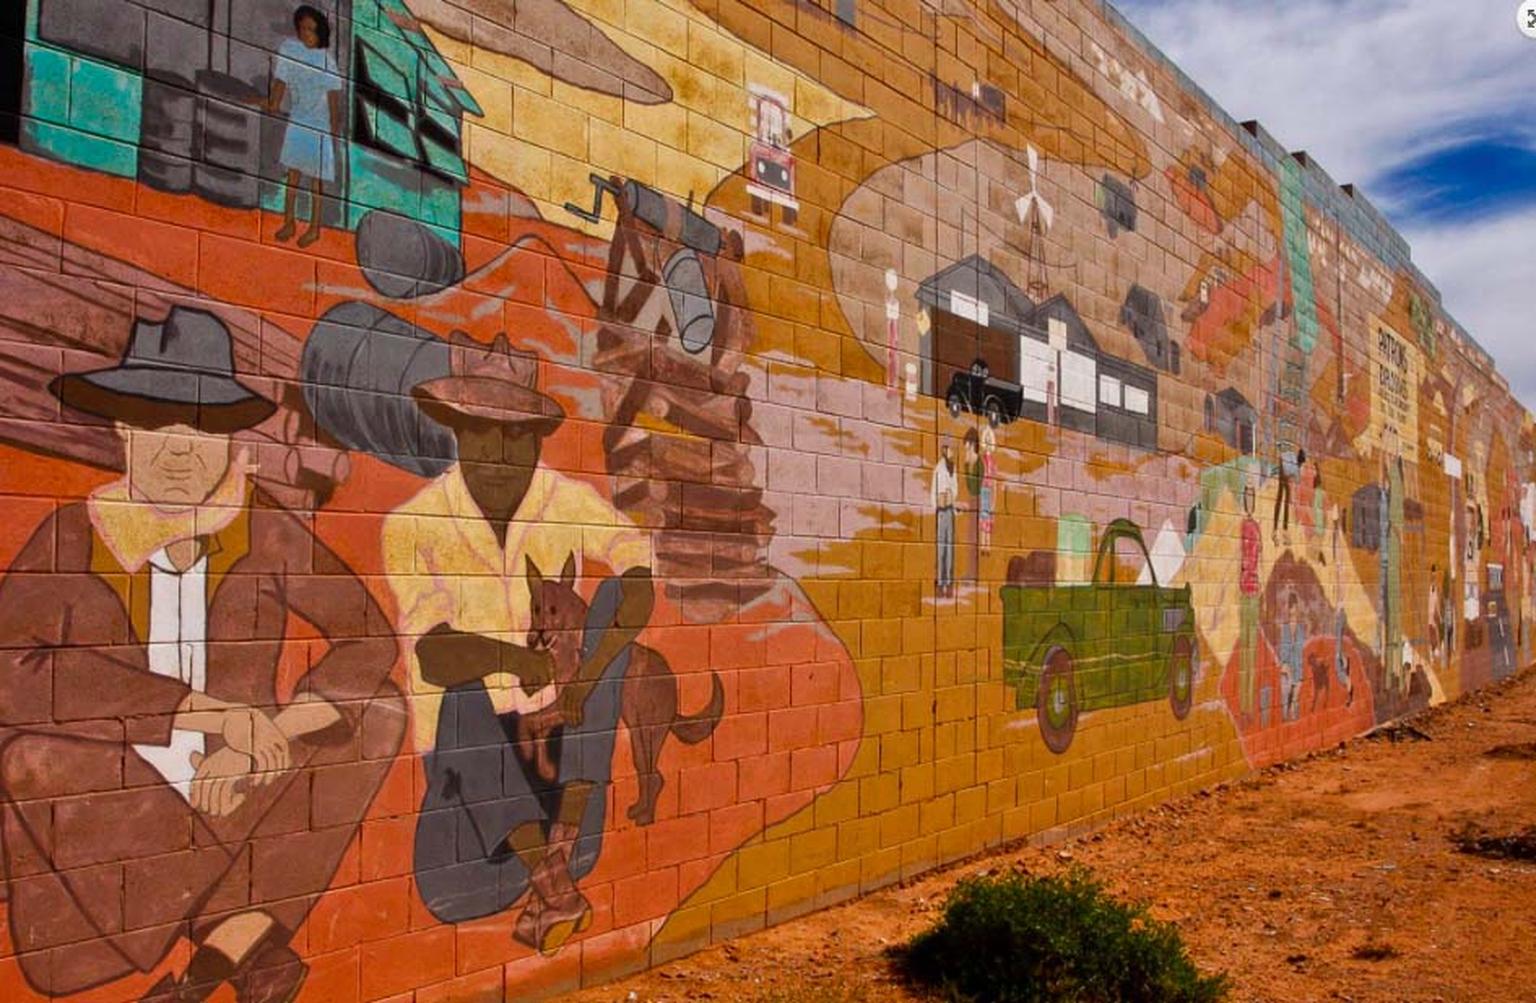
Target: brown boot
529	842
564	910
207	970
527	929
274	974
562	837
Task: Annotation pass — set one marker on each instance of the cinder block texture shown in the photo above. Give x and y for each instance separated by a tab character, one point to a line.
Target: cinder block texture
499	495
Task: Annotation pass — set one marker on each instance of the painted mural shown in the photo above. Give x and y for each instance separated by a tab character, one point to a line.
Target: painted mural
500	495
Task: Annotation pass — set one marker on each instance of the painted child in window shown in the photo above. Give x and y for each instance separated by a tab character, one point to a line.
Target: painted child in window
306	77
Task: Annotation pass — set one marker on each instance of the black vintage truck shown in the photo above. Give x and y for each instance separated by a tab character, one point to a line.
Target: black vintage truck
979	392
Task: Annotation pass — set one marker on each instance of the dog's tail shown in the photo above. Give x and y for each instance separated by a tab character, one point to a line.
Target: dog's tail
691	729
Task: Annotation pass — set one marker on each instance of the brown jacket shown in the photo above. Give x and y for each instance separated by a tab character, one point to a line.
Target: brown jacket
72	624
106	865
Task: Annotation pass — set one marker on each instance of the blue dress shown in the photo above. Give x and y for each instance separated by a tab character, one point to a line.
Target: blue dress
311	77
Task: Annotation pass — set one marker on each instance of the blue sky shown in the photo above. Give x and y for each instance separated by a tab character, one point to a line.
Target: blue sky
1429	106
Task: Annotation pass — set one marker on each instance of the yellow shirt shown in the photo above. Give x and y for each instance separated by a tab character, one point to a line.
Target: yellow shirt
446	566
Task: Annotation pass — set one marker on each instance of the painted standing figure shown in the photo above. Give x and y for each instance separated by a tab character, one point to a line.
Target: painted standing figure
306	77
151	775
943	491
1436	607
1319	511
988	502
515	803
970	467
1391	557
1289	470
1248	592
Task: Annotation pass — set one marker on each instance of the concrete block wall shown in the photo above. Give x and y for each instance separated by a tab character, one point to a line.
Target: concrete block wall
500	496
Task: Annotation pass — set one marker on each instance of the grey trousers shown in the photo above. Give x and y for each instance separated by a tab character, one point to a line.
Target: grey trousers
478	790
946	571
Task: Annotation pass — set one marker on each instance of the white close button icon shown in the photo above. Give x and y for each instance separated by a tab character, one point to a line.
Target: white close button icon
1525	17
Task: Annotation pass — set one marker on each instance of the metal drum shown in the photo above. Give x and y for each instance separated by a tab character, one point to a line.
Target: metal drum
671	218
358	368
691	303
229	168
403	259
167	141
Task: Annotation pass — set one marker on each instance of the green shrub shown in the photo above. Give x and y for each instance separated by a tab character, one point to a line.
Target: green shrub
1017	939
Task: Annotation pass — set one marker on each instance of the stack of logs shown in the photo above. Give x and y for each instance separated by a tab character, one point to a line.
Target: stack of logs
680	443
64	308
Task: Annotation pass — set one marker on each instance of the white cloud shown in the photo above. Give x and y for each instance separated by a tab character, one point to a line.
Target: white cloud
1484	273
1361	85
1367	87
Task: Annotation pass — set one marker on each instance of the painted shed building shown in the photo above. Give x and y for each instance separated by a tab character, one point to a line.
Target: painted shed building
167	91
979	315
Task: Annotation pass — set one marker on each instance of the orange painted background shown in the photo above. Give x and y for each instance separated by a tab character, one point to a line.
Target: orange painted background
982	438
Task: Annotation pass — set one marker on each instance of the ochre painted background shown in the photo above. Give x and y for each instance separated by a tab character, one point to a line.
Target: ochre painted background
895	192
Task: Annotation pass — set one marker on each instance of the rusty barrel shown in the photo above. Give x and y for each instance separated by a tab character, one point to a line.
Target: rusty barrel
358	368
403	258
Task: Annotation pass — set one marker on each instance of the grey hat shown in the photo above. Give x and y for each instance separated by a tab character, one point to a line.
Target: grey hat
180	371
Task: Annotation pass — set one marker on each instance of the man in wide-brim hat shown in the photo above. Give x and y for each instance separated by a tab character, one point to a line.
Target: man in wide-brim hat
179	371
490	385
140	635
458	556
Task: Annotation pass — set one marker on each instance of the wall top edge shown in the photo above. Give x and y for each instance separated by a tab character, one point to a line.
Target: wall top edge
1346	203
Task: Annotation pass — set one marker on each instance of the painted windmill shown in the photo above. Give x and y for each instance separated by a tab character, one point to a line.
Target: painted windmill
1036	214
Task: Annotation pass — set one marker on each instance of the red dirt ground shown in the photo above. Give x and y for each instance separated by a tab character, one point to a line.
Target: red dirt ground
1334	878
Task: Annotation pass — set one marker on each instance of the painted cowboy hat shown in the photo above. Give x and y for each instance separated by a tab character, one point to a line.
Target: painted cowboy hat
489	383
180	371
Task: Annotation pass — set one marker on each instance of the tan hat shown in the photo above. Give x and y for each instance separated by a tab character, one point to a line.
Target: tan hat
489	383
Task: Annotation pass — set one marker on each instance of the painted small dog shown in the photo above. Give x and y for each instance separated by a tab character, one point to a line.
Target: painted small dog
1325	672
649	700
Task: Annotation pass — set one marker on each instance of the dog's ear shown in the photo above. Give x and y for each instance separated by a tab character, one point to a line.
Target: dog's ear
568	573
535	576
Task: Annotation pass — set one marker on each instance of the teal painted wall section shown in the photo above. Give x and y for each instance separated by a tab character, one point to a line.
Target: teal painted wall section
402	148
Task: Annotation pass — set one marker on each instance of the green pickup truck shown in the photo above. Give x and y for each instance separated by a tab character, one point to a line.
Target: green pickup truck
1074	648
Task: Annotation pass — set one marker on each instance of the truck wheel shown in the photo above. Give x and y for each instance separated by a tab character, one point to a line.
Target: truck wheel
1056	704
994	411
1181	677
956	404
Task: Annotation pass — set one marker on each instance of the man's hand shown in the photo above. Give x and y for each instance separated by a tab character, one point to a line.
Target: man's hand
533	667
573	699
222	779
533	732
248	731
308	714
